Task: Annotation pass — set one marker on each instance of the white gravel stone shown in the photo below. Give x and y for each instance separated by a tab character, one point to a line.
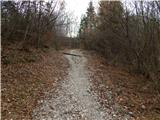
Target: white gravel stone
73	99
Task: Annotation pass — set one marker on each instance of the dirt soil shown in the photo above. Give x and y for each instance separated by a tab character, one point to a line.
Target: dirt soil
26	76
135	93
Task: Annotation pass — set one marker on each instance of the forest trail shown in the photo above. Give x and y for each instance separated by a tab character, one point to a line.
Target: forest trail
73	98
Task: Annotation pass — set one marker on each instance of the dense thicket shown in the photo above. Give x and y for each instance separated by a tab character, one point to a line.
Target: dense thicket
125	33
33	22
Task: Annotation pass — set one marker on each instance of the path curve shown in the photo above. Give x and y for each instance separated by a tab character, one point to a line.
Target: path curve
73	100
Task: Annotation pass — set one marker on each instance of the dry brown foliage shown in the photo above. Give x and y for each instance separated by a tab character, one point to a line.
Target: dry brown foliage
24	82
134	92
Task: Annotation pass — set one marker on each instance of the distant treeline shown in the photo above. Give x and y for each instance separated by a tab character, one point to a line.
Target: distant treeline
125	33
35	23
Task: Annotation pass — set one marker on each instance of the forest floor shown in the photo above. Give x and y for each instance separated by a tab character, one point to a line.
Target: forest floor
26	76
50	85
137	95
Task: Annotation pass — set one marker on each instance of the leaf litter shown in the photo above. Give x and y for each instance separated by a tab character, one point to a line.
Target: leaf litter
134	94
25	82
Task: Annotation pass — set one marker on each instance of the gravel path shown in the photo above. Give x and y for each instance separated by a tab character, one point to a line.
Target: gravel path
72	100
